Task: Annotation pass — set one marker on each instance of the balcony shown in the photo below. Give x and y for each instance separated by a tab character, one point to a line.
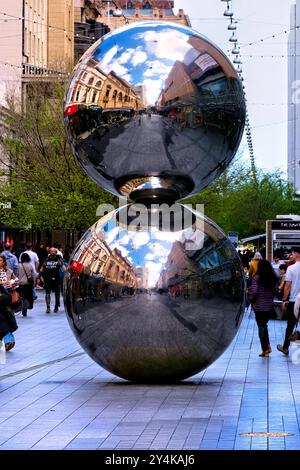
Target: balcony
33	72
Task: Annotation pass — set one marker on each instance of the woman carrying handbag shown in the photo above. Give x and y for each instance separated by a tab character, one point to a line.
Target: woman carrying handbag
27	276
7	280
261	296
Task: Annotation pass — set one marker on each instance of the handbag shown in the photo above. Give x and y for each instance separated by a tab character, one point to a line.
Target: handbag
30	279
15	299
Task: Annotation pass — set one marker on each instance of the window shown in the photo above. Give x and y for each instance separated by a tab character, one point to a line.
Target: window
120	97
98	84
108	88
90	82
77	94
114	96
94	98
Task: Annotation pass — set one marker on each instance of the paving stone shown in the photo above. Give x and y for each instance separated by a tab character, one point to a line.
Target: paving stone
75	404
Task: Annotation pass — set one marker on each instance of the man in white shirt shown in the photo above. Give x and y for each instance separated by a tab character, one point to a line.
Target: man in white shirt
291	289
34	259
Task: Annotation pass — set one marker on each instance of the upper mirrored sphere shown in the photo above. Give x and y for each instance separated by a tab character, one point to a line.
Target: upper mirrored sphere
154	110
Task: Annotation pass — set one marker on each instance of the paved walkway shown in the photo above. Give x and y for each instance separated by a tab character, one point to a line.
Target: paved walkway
53	396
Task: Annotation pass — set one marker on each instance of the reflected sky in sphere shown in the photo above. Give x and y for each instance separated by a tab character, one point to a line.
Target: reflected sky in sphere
154	109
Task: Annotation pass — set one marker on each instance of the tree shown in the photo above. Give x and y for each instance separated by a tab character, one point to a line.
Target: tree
242	201
46	186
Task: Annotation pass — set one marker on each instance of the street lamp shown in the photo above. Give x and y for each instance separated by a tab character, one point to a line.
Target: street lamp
117	12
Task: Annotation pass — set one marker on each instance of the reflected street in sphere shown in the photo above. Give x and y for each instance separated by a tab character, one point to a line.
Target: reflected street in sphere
154	303
154	105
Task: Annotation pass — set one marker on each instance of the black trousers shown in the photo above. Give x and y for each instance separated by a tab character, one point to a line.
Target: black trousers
291	322
52	287
262	319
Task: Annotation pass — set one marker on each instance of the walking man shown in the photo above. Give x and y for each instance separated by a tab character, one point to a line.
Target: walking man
291	289
51	275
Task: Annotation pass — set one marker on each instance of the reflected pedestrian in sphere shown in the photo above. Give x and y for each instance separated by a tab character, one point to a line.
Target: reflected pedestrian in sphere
261	296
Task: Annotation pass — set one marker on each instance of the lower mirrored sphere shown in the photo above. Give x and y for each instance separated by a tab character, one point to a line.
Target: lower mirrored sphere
152	301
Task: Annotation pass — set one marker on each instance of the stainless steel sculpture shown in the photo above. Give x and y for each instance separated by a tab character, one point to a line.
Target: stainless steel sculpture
154	112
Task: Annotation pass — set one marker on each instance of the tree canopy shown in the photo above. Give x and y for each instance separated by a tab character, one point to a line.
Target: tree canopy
242	201
40	177
48	189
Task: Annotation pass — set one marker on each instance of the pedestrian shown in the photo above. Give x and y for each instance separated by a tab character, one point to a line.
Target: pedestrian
291	289
50	272
6	274
261	296
4	301
27	275
11	260
34	259
254	264
6	278
281	284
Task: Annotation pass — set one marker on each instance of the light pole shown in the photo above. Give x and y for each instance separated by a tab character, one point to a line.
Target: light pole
117	12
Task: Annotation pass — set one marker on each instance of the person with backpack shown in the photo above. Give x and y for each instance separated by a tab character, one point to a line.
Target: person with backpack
50	273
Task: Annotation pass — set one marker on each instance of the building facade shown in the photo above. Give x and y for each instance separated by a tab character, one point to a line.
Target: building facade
37	40
95	18
294	100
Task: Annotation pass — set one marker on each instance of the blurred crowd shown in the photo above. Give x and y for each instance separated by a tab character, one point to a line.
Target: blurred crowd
23	270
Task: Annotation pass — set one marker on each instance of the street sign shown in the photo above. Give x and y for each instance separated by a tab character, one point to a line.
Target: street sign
234	238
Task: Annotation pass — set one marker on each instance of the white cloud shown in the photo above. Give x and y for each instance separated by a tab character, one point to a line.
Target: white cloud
167	44
158	250
149	256
168	236
126	56
139	57
157	68
107	58
111	235
140	239
124	240
154	272
153	89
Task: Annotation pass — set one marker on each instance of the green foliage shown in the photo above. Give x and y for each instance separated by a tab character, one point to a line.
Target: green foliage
242	202
48	189
39	176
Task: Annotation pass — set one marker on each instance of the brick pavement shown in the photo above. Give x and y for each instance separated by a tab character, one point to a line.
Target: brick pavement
53	396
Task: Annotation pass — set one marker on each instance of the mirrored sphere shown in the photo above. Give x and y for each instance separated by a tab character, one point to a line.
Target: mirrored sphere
154	107
152	301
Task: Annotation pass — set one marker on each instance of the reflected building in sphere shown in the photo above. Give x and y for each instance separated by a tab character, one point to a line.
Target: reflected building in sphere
171	312
183	129
154	112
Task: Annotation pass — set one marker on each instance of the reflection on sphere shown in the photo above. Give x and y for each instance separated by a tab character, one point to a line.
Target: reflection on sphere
151	303
154	106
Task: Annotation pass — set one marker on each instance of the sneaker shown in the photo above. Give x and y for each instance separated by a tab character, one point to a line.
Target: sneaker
48	310
281	349
56	308
9	345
